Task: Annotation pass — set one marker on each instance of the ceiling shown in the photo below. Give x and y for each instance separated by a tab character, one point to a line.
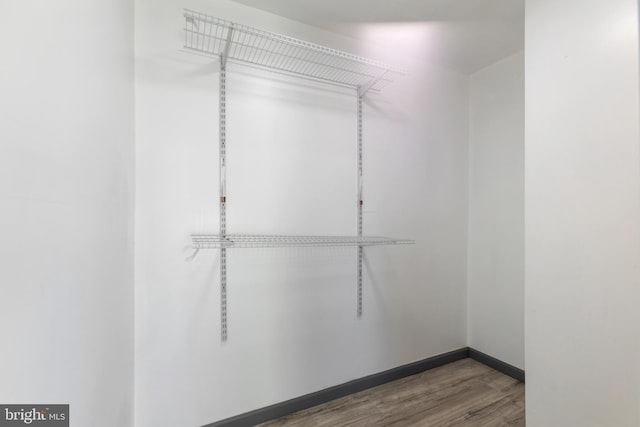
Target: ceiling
469	34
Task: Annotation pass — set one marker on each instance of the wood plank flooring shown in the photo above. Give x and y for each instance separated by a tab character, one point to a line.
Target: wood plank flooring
463	393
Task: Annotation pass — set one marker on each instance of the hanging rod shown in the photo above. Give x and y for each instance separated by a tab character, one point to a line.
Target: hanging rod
244	44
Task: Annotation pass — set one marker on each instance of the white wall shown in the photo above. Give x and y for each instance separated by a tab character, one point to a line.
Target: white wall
291	153
66	204
496	211
582	213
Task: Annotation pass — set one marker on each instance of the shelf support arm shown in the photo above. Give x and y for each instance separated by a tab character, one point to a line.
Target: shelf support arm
193	255
362	90
227	45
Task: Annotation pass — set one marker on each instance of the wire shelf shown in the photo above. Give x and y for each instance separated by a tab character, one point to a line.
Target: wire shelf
214	241
215	36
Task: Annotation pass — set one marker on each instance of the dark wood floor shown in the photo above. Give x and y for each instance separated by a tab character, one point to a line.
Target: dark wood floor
463	393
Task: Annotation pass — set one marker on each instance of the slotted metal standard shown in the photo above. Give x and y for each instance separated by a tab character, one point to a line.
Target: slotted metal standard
254	47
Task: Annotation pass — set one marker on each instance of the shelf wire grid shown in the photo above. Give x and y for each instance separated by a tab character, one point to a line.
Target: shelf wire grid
214	241
210	35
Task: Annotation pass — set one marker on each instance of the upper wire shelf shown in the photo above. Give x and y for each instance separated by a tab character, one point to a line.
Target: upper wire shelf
264	49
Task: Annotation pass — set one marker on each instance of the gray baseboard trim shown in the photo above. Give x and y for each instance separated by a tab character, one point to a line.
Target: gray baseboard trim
497	364
307	401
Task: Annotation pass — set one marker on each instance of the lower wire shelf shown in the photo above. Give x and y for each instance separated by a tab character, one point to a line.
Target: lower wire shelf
230	241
